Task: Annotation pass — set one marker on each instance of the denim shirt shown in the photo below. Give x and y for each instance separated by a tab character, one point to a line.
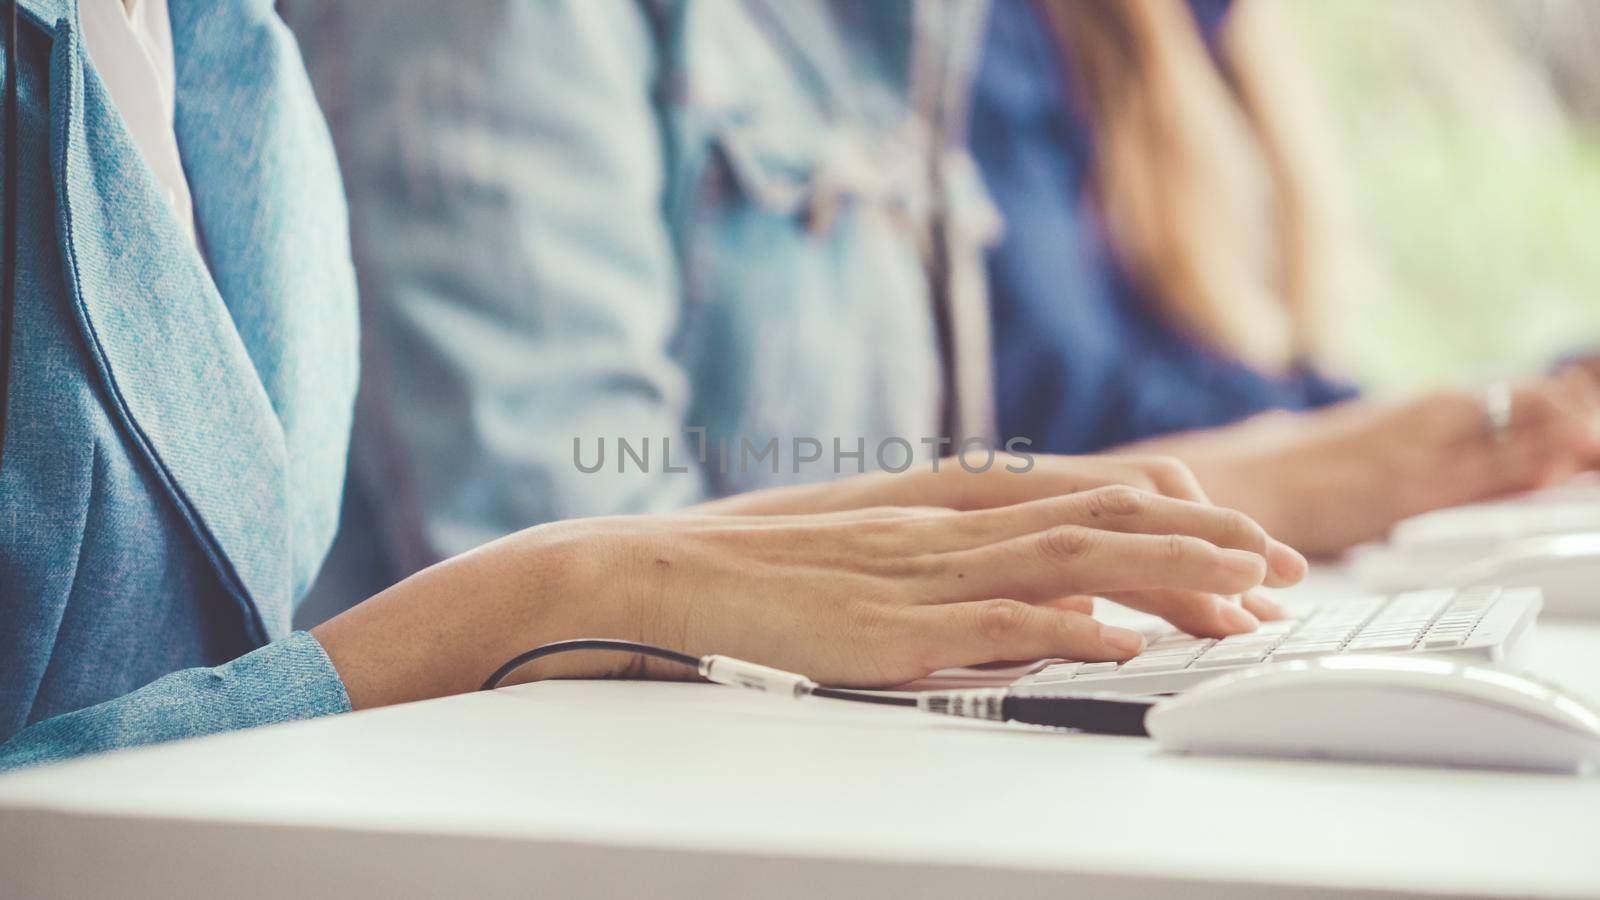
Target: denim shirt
178	424
1084	358
612	218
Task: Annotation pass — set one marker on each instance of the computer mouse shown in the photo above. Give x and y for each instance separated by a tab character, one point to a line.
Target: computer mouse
1461	534
1383	709
1469	530
1565	568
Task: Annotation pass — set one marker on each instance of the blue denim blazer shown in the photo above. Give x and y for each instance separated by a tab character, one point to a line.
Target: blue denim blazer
585	219
178	425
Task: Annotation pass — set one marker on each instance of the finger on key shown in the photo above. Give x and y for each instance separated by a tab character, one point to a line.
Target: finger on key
1199	614
1262	607
964	634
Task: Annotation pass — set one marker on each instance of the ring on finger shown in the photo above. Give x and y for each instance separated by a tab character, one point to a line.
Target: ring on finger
1497	411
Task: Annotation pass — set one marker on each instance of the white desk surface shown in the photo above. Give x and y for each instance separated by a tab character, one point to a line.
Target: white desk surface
676	790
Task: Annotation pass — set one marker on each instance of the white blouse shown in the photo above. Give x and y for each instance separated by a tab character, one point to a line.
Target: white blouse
130	43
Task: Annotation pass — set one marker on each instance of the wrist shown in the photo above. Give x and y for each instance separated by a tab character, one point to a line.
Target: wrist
445	629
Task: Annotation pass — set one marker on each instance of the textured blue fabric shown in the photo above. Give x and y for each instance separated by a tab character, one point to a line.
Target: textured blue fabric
286	680
1083	360
621	218
178	424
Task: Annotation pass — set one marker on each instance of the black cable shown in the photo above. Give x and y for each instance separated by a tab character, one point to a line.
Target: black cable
1095	715
1092	713
865	696
522	659
8	303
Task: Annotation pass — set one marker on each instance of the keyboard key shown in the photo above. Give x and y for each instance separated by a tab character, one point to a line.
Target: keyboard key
1301	651
1399	622
1157	664
1409	635
1260	647
1362	608
1443	641
1180	641
1231	657
1298	641
1371	630
1318	637
1183	653
1428	599
1344	615
1383	643
1097	668
1246	648
1178	648
1254	637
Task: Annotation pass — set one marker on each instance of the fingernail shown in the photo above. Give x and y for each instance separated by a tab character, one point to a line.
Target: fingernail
1238	618
1287	562
1124	641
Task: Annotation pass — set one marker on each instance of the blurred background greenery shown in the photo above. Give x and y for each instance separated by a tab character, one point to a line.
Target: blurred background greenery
1468	137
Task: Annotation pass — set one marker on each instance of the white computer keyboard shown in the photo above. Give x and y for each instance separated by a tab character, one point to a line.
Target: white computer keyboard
1483	624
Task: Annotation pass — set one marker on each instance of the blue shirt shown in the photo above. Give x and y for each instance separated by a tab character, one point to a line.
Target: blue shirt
693	225
1084	360
177	430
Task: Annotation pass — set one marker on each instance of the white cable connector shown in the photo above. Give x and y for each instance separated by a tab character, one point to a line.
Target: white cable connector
974	703
738	673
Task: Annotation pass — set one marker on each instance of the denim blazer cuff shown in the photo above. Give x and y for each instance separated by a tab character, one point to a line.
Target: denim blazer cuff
309	684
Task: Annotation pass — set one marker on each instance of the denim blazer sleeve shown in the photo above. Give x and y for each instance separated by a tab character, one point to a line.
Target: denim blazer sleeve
286	680
506	168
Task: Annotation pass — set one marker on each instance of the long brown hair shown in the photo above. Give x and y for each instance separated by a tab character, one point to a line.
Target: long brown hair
1208	178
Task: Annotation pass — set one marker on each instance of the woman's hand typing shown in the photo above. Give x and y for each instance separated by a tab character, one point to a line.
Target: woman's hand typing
868	597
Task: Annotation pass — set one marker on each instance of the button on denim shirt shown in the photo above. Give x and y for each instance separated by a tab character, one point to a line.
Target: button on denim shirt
178	424
596	219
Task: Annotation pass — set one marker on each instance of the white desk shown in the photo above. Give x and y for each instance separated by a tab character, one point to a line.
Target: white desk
676	790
